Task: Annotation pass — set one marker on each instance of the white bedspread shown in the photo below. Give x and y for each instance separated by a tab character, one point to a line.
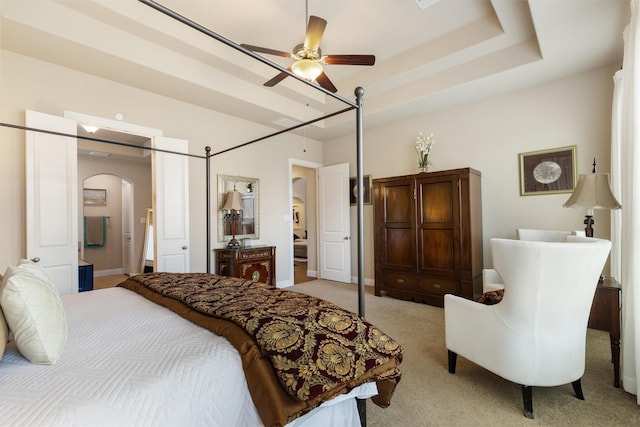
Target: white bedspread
130	362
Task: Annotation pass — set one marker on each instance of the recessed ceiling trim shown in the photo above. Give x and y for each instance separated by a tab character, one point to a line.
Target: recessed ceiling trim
423	4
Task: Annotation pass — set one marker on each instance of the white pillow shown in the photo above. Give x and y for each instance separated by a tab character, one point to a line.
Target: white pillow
36	269
34	312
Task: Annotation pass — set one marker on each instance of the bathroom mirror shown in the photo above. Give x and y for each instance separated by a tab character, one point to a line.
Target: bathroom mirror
146	265
248	223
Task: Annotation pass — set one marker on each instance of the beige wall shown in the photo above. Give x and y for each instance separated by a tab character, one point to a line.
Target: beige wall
41	86
108	256
488	135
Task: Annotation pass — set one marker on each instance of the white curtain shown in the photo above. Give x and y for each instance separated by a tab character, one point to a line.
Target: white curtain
625	168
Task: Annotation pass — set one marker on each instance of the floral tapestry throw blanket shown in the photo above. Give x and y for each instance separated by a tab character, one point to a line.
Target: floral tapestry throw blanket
297	350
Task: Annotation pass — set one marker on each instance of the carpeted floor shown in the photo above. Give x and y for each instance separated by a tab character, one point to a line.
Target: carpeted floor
429	396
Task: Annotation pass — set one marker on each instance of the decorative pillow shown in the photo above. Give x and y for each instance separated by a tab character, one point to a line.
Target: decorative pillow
37	270
491	297
34	312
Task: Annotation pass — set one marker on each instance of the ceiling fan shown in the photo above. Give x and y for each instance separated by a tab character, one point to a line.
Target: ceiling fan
308	58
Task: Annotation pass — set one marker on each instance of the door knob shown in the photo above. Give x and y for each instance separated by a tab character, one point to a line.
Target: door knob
347	237
35	259
185	247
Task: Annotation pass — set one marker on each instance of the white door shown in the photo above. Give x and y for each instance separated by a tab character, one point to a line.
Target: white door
127	227
171	205
334	223
52	199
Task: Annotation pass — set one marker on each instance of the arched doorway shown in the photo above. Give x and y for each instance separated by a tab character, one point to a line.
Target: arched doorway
106	231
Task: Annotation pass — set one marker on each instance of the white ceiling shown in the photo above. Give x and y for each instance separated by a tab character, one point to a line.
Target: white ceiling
451	52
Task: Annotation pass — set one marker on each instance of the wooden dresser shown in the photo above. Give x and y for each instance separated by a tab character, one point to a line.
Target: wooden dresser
428	235
254	263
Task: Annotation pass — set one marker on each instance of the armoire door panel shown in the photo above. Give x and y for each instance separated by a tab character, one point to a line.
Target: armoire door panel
438	250
398	251
437	202
398	204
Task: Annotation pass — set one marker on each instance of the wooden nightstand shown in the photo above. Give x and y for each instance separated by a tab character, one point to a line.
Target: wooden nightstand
255	263
605	316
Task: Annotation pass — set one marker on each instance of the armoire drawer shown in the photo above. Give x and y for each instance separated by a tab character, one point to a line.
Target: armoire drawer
438	286
399	280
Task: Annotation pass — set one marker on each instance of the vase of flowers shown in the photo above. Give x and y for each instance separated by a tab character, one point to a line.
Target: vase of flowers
423	148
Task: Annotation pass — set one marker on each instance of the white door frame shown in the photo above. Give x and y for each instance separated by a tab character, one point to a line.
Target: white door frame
120	126
304	164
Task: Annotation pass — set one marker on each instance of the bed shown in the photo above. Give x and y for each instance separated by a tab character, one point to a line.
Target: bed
144	354
300	248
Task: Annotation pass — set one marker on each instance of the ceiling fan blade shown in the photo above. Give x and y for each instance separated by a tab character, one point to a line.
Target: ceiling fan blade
266	50
324	81
277	79
350	59
315	29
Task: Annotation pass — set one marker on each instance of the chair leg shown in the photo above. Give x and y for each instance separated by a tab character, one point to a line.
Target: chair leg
453	357
527	399
577	388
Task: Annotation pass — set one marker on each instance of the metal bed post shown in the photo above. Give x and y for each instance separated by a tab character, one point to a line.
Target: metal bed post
359	92
360	202
207	150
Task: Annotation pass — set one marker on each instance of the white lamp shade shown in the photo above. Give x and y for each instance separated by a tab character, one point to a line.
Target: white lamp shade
234	201
593	192
307	69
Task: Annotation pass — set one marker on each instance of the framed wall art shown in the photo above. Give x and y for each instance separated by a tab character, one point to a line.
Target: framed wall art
548	171
94	197
353	190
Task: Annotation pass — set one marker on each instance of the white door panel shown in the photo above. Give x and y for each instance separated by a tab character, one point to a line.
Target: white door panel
171	206
52	199
334	223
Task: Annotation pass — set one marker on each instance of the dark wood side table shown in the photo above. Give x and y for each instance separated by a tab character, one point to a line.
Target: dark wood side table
605	316
252	263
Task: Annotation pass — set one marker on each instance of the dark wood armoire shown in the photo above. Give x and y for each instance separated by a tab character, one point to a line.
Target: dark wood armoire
428	235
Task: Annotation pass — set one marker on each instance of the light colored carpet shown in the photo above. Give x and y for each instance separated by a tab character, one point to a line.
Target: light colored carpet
428	395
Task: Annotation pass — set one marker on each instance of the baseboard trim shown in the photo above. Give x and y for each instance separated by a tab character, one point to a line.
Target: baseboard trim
112	272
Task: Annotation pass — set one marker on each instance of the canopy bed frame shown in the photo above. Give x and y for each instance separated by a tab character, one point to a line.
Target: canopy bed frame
349	106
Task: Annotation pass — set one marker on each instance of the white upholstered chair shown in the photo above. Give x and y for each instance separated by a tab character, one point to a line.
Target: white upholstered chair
536	335
491	280
535	235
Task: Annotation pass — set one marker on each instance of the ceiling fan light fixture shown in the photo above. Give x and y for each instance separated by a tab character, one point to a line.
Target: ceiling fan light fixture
307	69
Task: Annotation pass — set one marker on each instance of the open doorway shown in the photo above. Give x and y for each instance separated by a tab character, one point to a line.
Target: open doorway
106	232
303	222
115	188
116	222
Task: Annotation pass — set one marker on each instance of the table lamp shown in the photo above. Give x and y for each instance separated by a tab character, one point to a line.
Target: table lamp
232	205
593	191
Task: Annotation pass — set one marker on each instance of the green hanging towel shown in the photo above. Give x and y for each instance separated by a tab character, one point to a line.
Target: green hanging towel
95	231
